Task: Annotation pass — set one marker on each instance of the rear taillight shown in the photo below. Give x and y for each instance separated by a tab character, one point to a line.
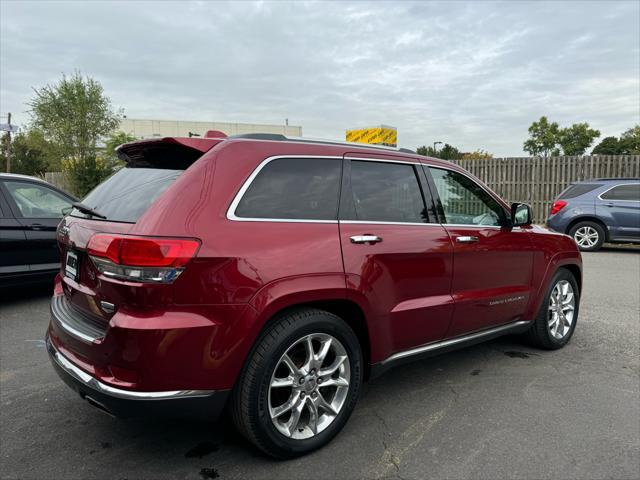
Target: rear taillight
557	206
141	259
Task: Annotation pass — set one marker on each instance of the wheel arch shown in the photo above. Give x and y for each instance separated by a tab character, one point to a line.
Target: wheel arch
576	272
322	292
568	260
589	218
347	310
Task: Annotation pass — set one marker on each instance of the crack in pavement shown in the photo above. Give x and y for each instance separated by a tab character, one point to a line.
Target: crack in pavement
393	454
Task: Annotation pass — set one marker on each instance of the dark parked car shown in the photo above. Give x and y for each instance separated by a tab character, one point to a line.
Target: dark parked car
30	210
598	211
273	276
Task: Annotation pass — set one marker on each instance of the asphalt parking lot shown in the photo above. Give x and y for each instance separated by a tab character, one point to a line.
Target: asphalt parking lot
497	410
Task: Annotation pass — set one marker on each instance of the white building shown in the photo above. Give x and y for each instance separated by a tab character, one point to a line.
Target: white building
143	128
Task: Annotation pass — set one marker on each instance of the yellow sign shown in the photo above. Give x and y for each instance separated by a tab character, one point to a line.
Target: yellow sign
381	135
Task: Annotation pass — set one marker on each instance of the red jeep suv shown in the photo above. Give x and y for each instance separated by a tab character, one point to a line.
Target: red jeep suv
272	275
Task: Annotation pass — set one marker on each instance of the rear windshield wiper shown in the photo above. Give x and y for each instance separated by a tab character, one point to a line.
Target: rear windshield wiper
88	210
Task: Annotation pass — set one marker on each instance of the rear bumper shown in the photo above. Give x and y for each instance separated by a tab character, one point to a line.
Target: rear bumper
195	404
556	223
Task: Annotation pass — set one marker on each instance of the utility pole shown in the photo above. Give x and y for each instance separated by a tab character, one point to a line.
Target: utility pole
9	144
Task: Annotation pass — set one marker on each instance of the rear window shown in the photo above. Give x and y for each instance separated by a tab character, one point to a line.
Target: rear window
128	193
579	189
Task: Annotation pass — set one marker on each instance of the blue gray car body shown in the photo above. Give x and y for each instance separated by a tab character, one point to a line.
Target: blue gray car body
598	211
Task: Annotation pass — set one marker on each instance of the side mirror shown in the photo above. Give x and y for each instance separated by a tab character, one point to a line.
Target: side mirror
521	214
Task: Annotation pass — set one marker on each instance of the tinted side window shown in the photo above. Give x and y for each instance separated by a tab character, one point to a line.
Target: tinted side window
386	192
579	189
629	192
294	188
37	201
464	202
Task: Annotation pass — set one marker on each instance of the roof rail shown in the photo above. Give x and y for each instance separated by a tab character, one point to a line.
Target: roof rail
261	136
283	138
603	179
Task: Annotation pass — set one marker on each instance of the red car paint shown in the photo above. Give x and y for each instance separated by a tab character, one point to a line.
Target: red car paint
416	287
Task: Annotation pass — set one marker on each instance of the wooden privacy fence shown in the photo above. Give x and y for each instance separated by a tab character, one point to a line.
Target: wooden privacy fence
537	180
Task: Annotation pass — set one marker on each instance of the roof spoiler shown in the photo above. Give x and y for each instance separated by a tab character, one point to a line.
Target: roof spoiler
180	152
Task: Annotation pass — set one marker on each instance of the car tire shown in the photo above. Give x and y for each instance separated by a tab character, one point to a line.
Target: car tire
556	321
589	236
263	389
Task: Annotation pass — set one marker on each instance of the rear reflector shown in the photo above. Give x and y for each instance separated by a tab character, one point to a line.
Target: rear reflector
557	206
141	259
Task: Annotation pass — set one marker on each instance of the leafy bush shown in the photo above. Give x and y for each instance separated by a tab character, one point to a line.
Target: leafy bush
85	174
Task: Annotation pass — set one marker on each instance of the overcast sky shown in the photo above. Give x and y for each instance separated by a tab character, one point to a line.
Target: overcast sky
473	74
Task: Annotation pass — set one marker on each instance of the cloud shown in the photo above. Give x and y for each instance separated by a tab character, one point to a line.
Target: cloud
472	74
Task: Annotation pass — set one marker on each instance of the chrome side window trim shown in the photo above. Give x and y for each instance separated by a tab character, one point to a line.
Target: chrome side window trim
473	225
373	222
616	199
231	212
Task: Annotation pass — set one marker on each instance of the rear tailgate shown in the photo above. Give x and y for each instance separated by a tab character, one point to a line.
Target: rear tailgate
151	167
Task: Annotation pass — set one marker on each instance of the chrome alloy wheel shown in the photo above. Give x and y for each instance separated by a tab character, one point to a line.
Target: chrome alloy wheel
586	237
309	386
562	305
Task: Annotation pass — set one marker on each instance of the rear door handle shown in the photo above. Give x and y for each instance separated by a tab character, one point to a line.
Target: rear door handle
37	226
365	239
467	239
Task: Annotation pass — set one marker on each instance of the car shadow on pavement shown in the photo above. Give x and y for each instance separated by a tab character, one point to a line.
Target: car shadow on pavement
197	443
620	248
12	295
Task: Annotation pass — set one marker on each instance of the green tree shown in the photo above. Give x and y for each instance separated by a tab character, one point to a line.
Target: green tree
627	144
448	152
113	142
630	141
426	151
74	114
477	155
608	146
4	150
543	138
575	139
31	153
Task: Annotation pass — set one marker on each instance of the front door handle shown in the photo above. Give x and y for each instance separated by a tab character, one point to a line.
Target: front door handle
467	239
37	226
610	204
365	239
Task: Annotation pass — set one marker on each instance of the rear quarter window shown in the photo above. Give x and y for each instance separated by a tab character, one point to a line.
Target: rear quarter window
293	189
579	189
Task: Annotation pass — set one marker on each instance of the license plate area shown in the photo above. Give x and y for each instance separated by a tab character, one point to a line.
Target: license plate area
72	265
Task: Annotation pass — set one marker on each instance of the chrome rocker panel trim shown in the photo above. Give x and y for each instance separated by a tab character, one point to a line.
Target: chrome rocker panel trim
447	345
